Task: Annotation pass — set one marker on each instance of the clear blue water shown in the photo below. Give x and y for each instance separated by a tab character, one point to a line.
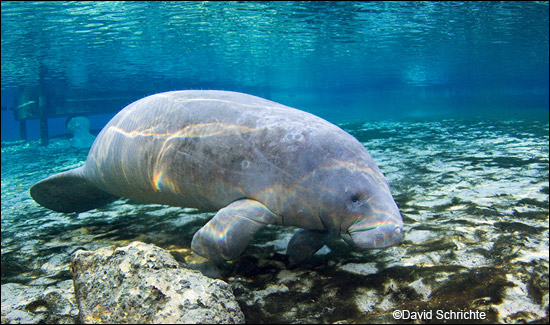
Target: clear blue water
450	99
340	60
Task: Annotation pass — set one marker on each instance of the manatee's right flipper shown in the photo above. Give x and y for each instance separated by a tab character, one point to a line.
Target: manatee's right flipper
69	191
305	243
226	235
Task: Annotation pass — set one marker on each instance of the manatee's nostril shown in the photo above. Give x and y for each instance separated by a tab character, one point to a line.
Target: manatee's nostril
397	230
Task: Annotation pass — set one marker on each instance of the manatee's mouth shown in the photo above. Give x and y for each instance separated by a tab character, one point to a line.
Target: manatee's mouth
379	237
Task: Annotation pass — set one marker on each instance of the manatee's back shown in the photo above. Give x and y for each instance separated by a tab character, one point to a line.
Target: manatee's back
201	149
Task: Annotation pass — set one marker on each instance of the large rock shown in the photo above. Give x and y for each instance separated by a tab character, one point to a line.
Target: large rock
142	283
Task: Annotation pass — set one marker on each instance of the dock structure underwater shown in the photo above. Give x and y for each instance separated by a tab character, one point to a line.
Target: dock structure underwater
34	103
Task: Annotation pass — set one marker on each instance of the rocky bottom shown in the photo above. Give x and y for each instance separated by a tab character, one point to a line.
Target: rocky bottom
474	197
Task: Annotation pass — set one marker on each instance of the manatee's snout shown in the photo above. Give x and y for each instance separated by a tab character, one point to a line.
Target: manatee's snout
381	230
379	237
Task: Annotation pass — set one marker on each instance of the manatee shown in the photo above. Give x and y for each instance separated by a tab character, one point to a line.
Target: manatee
79	127
254	161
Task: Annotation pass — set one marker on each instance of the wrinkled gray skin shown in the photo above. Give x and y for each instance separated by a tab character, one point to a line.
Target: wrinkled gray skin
256	161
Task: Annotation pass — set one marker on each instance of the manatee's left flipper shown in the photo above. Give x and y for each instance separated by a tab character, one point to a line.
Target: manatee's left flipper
226	235
305	243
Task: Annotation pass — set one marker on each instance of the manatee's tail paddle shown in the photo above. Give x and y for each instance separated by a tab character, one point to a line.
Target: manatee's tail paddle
69	191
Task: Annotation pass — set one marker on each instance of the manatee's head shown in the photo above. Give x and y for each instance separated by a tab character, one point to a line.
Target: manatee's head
374	220
356	202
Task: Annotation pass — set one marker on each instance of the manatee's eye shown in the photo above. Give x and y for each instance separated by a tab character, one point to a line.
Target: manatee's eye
355	198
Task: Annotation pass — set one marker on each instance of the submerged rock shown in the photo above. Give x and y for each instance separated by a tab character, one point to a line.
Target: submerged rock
22	304
142	283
